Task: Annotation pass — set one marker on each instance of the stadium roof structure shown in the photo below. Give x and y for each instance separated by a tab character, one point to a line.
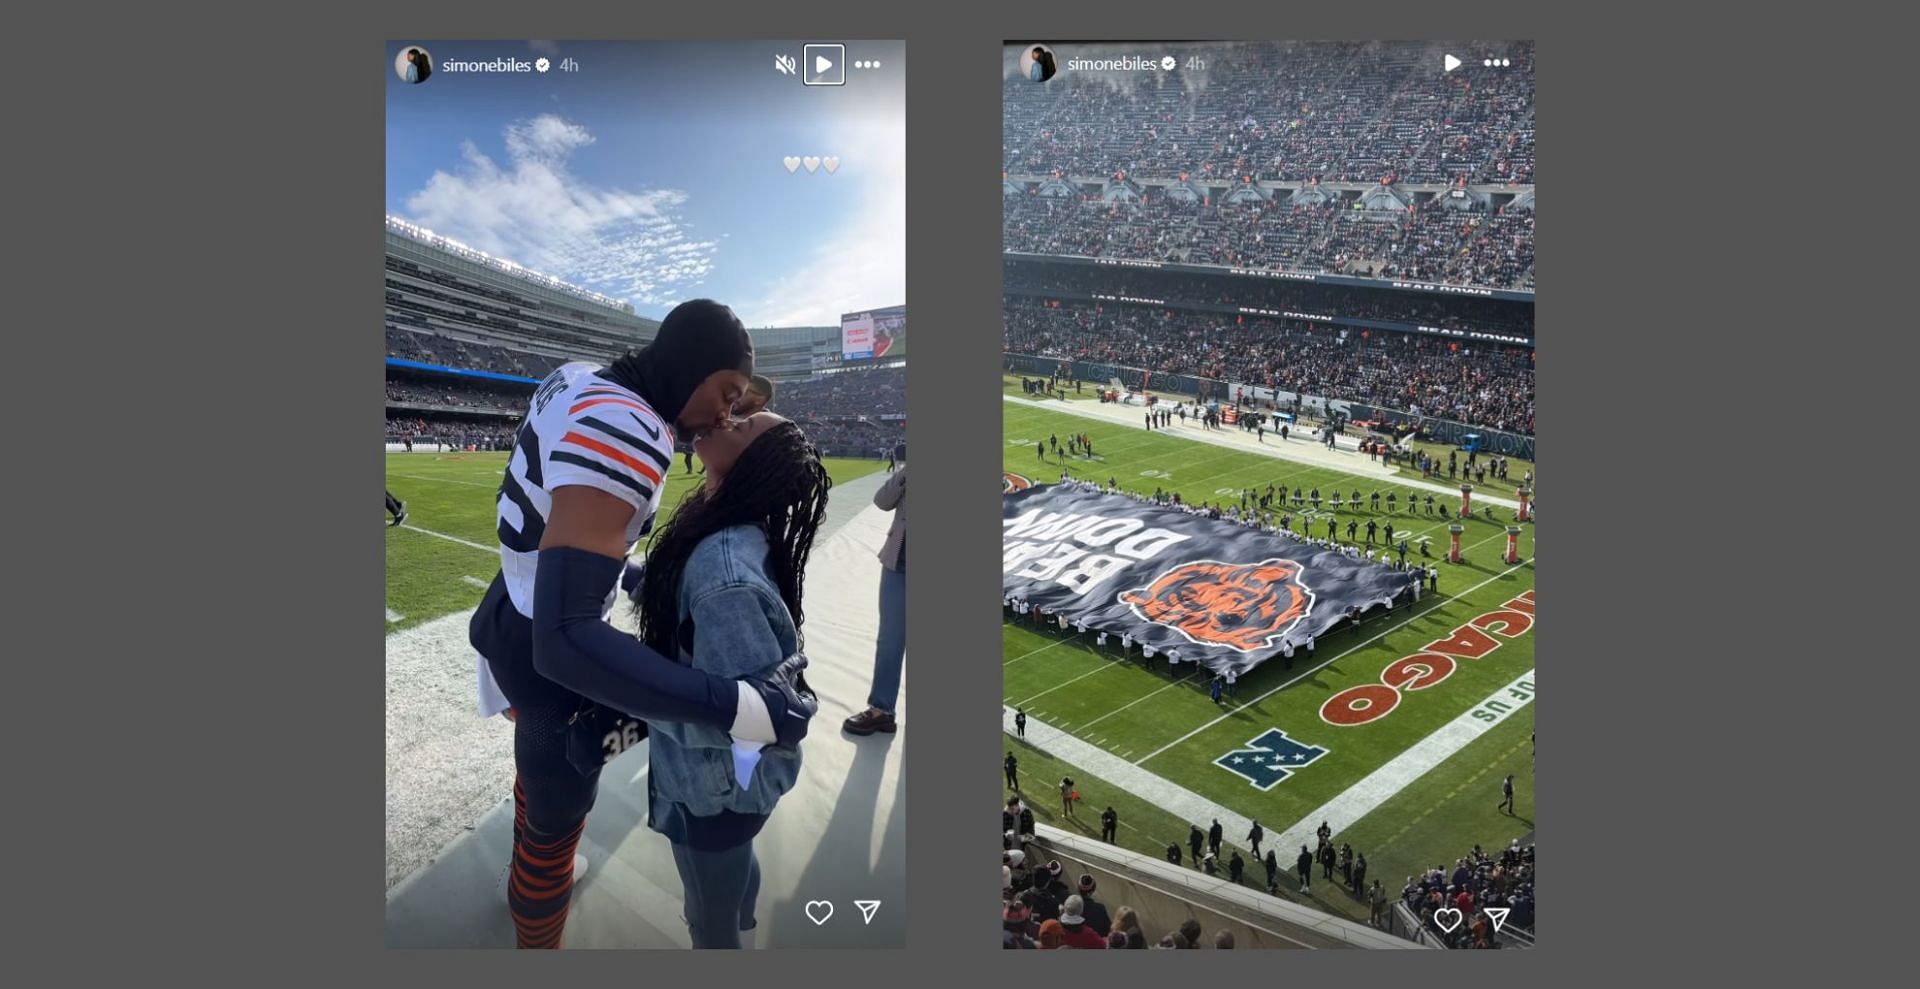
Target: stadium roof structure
1311	195
419	233
1383	197
1523	202
1245	193
1056	188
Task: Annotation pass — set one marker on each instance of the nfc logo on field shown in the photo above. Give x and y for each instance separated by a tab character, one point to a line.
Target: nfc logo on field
1270	758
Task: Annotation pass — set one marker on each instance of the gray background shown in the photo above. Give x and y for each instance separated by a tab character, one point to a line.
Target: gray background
196	709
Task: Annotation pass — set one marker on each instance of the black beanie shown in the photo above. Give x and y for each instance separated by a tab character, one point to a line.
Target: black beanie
698	338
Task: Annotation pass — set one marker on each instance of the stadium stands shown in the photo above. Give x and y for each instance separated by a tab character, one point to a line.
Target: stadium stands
1429	243
1477	880
1413	310
1487	385
1339	112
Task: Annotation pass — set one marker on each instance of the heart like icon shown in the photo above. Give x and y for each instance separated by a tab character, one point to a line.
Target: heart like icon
1446	918
791	162
832	165
811	162
818	911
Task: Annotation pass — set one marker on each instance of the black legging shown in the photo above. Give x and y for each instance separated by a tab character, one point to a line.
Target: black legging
393	505
550	797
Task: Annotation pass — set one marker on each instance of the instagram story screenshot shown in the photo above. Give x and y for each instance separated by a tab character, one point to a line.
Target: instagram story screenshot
1268	494
645	434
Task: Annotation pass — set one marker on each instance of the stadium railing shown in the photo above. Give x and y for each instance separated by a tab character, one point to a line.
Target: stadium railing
1165	895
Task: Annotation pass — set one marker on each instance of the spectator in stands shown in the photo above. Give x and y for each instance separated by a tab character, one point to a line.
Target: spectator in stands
1077	932
1094	911
1223	939
1017	820
1304	866
1053	935
1014	922
1190	933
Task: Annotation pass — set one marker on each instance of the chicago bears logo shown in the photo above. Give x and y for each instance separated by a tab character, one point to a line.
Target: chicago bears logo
1239	606
1011	482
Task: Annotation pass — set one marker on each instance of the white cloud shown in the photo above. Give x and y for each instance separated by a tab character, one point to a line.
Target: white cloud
534	211
863	264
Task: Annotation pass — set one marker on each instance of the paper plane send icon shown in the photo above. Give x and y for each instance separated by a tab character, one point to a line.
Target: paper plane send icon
1498	915
1451	63
869	907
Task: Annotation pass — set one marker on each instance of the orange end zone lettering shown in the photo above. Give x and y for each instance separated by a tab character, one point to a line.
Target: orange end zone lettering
1418	671
1465	642
1506	624
1359	704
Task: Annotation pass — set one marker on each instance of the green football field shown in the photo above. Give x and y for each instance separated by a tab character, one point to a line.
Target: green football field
1423	761
441	561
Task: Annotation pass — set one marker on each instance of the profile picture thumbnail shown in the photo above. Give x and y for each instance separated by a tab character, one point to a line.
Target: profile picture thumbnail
413	64
1037	63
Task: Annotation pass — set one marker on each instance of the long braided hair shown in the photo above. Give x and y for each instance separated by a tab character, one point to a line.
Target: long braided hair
777	484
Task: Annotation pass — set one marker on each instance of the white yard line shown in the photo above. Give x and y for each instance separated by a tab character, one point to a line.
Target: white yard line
394	616
1177	800
1103	667
1042	649
1396	774
495	550
474	581
448	480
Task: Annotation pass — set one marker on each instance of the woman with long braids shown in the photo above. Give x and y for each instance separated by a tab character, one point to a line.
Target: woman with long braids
721	591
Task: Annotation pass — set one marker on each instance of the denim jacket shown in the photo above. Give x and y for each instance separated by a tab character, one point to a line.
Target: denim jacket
741	628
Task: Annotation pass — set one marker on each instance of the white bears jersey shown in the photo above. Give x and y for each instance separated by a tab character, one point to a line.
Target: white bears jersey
581	429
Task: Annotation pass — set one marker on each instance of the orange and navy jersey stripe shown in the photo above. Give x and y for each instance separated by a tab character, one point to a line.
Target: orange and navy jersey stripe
610	432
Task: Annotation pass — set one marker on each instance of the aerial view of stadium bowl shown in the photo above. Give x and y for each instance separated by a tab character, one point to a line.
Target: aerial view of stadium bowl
636	357
1269	495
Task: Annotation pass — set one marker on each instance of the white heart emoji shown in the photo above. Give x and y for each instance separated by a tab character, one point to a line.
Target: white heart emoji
818	911
791	162
1446	918
811	162
832	164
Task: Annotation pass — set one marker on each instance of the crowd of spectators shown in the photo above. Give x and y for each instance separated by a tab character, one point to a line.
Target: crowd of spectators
840	412
431	432
1337	111
1032	276
866	392
1429	243
1476	383
1476	881
460	393
434	348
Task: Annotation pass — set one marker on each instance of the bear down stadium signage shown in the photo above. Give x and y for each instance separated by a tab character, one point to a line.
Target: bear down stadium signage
1214	592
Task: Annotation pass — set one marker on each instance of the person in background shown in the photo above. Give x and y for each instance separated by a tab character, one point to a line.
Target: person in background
1094	911
890	647
1078	933
759	395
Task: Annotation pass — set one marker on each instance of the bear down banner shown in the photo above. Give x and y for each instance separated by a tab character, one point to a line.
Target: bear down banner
1213	592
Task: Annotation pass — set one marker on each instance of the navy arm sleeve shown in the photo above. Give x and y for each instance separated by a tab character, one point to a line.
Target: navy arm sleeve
575	648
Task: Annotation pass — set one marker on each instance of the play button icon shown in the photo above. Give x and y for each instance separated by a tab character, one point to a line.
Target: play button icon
826	65
1451	63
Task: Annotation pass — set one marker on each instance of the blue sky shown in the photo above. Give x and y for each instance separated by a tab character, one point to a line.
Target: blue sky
654	174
